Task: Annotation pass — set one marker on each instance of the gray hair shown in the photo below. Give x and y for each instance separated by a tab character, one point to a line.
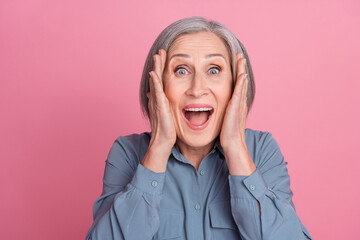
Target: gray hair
195	25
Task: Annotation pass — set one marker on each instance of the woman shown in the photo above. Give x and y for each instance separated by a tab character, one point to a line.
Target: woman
199	174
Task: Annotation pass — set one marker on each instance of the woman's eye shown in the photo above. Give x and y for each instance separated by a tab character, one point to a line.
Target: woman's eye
181	71
214	70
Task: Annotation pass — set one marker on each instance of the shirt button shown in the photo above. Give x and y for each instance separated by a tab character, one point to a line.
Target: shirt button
154	183
252	187
197	206
202	172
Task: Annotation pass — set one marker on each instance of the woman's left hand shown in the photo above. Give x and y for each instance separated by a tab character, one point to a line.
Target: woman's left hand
232	136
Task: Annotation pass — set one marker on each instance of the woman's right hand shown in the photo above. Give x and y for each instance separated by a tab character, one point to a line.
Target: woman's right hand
163	134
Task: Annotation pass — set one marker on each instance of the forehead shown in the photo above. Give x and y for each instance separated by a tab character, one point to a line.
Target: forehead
201	42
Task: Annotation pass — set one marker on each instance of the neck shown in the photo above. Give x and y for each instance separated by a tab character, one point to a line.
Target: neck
194	154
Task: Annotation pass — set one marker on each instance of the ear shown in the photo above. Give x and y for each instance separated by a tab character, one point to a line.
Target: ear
148	95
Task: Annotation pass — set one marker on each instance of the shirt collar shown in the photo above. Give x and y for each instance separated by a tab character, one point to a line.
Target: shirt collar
178	156
217	147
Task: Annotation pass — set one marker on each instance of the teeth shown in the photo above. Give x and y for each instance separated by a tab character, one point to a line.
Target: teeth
198	109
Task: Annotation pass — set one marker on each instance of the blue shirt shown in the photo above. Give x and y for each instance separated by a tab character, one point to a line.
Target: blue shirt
185	203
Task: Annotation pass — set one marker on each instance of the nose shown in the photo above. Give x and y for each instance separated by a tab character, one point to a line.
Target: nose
198	86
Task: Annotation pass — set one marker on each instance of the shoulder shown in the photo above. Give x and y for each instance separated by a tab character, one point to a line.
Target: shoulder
130	148
256	137
136	141
262	145
255	133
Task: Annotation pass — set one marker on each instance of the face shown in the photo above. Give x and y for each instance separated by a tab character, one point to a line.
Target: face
198	85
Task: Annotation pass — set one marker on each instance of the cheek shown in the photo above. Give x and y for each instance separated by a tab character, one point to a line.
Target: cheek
225	91
224	99
172	94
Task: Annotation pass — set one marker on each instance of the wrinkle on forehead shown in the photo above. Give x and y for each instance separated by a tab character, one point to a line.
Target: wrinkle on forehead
199	44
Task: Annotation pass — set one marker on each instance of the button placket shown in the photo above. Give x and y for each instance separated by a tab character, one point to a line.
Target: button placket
154	183
197	206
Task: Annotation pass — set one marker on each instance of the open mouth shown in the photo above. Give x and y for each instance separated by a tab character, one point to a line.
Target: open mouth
197	116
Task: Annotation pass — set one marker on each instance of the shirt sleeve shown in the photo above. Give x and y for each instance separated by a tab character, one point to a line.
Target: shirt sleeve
130	200
268	188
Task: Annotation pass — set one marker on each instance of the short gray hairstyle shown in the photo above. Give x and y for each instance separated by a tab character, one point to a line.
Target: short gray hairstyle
188	26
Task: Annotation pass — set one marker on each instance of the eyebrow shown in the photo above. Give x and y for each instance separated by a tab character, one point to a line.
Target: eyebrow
206	57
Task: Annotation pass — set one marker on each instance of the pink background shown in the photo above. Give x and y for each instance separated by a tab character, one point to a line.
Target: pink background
69	78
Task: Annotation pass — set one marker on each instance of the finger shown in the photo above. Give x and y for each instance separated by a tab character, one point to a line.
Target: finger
152	99
157	66
151	84
244	91
150	102
158	91
244	109
244	87
163	59
162	54
239	55
243	103
240	65
235	100
243	121
239	87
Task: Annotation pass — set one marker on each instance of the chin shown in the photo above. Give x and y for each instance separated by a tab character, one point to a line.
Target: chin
198	139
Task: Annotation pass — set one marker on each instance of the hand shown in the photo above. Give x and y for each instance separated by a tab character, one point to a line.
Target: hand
163	135
232	136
